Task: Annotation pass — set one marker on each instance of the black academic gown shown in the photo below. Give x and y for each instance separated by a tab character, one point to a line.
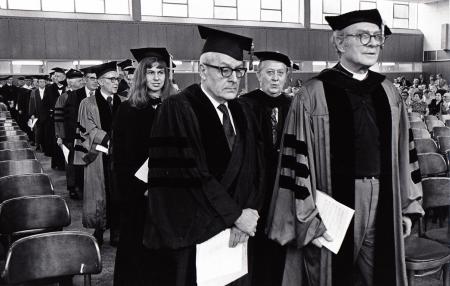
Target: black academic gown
23	99
131	141
50	97
10	94
197	187
269	256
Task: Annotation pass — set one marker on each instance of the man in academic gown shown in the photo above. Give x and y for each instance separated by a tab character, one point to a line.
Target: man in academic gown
125	66
53	92
36	111
65	125
23	99
347	134
271	106
95	117
9	92
205	165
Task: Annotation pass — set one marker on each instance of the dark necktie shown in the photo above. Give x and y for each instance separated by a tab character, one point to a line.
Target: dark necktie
274	121
110	103
227	127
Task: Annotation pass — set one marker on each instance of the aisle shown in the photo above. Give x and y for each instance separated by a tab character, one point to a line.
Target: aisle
105	278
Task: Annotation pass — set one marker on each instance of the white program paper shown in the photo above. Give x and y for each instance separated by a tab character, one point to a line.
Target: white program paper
32	122
336	217
101	149
142	173
217	263
65	152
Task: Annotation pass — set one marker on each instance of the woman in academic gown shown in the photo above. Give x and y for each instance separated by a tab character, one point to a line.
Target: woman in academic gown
131	133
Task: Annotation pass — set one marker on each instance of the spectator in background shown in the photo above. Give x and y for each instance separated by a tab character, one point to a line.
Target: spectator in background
431	81
435	105
445	107
441	82
418	105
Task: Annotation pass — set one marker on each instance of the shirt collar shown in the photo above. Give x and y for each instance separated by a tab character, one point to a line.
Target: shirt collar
105	96
88	91
214	102
356	76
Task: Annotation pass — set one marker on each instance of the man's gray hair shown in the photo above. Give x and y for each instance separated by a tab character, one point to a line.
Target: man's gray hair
335	37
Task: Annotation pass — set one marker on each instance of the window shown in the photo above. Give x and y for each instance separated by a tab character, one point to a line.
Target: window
5	67
287	11
401	16
71	6
367	5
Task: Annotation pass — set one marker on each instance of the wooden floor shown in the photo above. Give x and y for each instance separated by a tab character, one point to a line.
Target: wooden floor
108	252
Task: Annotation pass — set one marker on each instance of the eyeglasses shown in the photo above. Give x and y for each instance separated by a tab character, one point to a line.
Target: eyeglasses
366	38
113	79
227	71
272	73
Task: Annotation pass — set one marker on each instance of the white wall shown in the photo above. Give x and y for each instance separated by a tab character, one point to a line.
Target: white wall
430	19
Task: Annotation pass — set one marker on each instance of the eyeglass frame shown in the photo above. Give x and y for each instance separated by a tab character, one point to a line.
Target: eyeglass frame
112	79
360	36
242	70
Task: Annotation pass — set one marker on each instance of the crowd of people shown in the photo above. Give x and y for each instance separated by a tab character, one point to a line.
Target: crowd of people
430	97
252	164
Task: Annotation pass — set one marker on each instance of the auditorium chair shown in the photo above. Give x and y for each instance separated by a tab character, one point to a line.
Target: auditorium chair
430	117
13	145
13	138
428	252
414	115
432	164
16	155
420	133
447	122
436	194
28	215
25	185
12	133
434	123
8	128
425	145
444	144
441	131
22	167
418	124
52	257
414	119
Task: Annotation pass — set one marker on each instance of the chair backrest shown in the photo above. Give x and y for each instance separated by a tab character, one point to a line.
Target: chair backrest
447	122
13	138
52	255
25	185
12	133
414	114
444	144
425	145
8	128
434	123
430	117
436	192
19	154
22	167
8	123
414	119
33	214
441	131
418	124
420	133
13	145
432	164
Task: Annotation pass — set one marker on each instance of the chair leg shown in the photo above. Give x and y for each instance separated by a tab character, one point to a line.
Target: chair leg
445	274
87	280
410	277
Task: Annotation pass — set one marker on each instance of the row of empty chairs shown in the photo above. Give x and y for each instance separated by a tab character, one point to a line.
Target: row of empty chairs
32	219
428	251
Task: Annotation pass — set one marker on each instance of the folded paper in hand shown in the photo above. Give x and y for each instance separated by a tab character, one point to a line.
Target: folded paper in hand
217	263
336	218
65	152
142	173
101	149
32	122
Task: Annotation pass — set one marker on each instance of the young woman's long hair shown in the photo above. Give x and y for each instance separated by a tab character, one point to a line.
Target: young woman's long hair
139	97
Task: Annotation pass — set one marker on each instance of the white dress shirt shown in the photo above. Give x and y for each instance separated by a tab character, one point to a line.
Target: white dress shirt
357	76
215	103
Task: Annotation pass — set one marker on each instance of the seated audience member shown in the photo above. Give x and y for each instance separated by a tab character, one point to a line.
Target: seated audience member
445	107
418	105
435	105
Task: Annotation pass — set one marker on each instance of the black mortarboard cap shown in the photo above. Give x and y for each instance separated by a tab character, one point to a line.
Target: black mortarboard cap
125	64
87	70
224	42
73	73
130	70
273	56
371	16
41	77
159	53
295	67
61	70
28	77
104	68
21	78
